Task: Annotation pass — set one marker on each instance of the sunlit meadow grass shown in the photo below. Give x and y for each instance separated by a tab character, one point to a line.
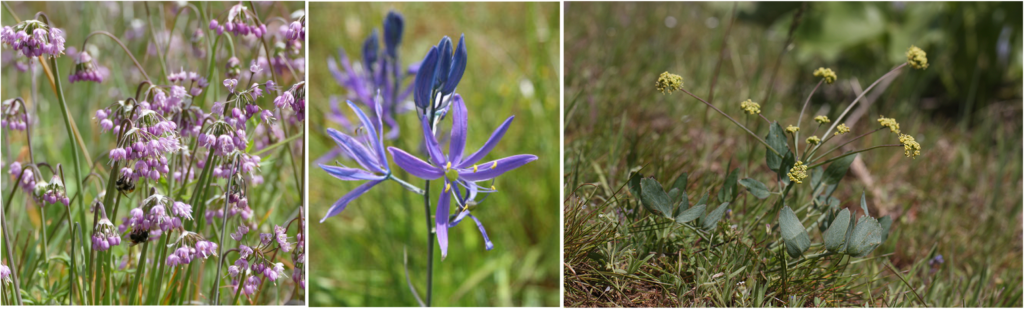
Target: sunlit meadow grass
58	255
959	199
357	256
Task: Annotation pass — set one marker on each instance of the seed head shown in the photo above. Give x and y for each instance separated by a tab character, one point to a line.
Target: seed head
890	123
668	82
917	58
798	173
842	129
827	74
910	147
750	107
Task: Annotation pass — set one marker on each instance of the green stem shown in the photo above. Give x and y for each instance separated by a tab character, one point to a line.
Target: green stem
152	33
138	274
223	228
71	136
7	238
733	121
430	244
844	144
866	90
853	152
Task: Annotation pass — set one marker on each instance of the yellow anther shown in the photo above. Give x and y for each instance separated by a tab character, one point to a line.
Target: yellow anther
474	168
447	186
494	165
493	189
449	166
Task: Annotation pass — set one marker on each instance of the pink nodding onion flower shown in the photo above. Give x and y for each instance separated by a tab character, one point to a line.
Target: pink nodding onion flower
144	146
33	38
28	180
296	30
105	235
85	69
190	81
192	245
52	192
295	99
239	22
5	273
156	214
15	116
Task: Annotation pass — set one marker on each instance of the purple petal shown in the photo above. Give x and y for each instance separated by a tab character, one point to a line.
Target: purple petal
356	150
442	222
351	195
491	142
414	165
375	137
490	170
350	174
460	124
487	240
433	149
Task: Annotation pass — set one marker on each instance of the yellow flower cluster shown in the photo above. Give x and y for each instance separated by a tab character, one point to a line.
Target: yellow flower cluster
813	140
842	129
750	107
917	58
668	82
827	74
792	129
822	119
910	147
798	173
890	123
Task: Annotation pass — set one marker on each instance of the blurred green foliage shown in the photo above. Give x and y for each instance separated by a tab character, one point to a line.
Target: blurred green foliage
356	258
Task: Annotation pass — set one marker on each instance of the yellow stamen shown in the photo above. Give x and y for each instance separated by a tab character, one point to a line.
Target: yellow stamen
474	168
494	165
449	166
493	189
447	186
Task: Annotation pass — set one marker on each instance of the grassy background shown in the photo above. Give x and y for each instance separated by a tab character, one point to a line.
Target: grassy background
356	257
961	198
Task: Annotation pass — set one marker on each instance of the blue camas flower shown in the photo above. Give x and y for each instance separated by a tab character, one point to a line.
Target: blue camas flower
439	73
367	149
379	71
457	169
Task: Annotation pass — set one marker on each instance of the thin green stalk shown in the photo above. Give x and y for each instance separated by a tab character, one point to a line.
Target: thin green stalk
275	145
138	275
866	90
844	144
152	33
851	153
223	228
156	282
6	243
123	47
799	120
71	135
46	244
430	244
733	121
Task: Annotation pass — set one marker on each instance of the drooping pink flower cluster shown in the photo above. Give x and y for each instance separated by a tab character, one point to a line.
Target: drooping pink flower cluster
85	69
185	254
163	215
53	192
296	30
105	235
239	23
194	81
28	180
15	116
294	99
33	38
145	146
5	273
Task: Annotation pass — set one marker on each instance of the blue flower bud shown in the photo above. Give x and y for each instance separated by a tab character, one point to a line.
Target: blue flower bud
394	25
371	50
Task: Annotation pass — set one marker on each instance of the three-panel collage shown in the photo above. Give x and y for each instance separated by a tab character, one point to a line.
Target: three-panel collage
512	154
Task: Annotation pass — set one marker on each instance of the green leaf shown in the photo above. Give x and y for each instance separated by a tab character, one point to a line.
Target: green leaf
703	201
655	198
776	139
680	183
711	221
864	203
835	173
728	191
787	164
886	223
756	188
793	233
634	184
866	237
673	195
690	214
835	236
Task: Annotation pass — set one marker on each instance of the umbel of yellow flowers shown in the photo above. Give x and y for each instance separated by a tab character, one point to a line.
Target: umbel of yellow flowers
917	58
798	172
827	74
668	82
750	107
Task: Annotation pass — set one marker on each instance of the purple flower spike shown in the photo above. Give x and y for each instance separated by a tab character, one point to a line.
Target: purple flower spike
368	152
456	169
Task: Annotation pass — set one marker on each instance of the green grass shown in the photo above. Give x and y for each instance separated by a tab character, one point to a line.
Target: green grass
356	258
960	198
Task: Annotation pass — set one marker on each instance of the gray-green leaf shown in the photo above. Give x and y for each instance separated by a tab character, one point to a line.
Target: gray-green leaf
711	221
690	214
835	236
654	195
793	233
756	188
728	191
777	140
866	237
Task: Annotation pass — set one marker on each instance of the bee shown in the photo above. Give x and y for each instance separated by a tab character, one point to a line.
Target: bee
125	185
138	235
